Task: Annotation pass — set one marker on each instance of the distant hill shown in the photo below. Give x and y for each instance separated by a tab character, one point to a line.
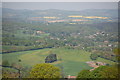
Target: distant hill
54	12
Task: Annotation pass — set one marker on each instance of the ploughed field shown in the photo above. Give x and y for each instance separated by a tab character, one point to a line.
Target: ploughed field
71	61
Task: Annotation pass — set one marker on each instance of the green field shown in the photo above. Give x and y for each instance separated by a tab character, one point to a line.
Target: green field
72	60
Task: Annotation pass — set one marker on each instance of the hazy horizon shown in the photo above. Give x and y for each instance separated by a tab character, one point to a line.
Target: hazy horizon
71	6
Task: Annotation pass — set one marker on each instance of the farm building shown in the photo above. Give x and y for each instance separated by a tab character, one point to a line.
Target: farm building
69	77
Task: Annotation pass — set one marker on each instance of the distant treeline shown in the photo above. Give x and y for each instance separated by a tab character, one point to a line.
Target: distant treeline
25	50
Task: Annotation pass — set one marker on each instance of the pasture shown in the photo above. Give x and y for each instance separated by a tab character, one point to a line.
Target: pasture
72	61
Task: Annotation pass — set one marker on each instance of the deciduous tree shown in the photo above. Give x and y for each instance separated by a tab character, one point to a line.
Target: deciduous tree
45	70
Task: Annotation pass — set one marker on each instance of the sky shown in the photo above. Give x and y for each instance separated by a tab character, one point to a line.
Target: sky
59	0
60	5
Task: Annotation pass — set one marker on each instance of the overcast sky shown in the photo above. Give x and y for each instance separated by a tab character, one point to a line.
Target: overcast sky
59	0
60	5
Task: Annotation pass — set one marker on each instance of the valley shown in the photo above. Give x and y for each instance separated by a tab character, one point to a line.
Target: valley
81	40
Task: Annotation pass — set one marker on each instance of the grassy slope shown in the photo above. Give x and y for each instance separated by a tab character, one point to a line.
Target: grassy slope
73	61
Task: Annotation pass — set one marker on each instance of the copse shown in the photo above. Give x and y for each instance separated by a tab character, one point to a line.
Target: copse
83	74
110	72
51	58
94	56
100	72
96	73
45	70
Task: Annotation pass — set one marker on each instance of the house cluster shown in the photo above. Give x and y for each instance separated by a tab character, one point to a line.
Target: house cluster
95	64
71	77
92	64
53	21
96	34
55	38
40	32
75	35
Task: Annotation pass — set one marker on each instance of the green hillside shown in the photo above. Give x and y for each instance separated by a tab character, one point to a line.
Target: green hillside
76	37
72	61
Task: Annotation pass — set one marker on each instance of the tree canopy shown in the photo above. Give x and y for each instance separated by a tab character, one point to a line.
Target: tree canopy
83	74
93	56
100	72
45	70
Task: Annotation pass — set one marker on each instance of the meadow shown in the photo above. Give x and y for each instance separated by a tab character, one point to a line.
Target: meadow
72	61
